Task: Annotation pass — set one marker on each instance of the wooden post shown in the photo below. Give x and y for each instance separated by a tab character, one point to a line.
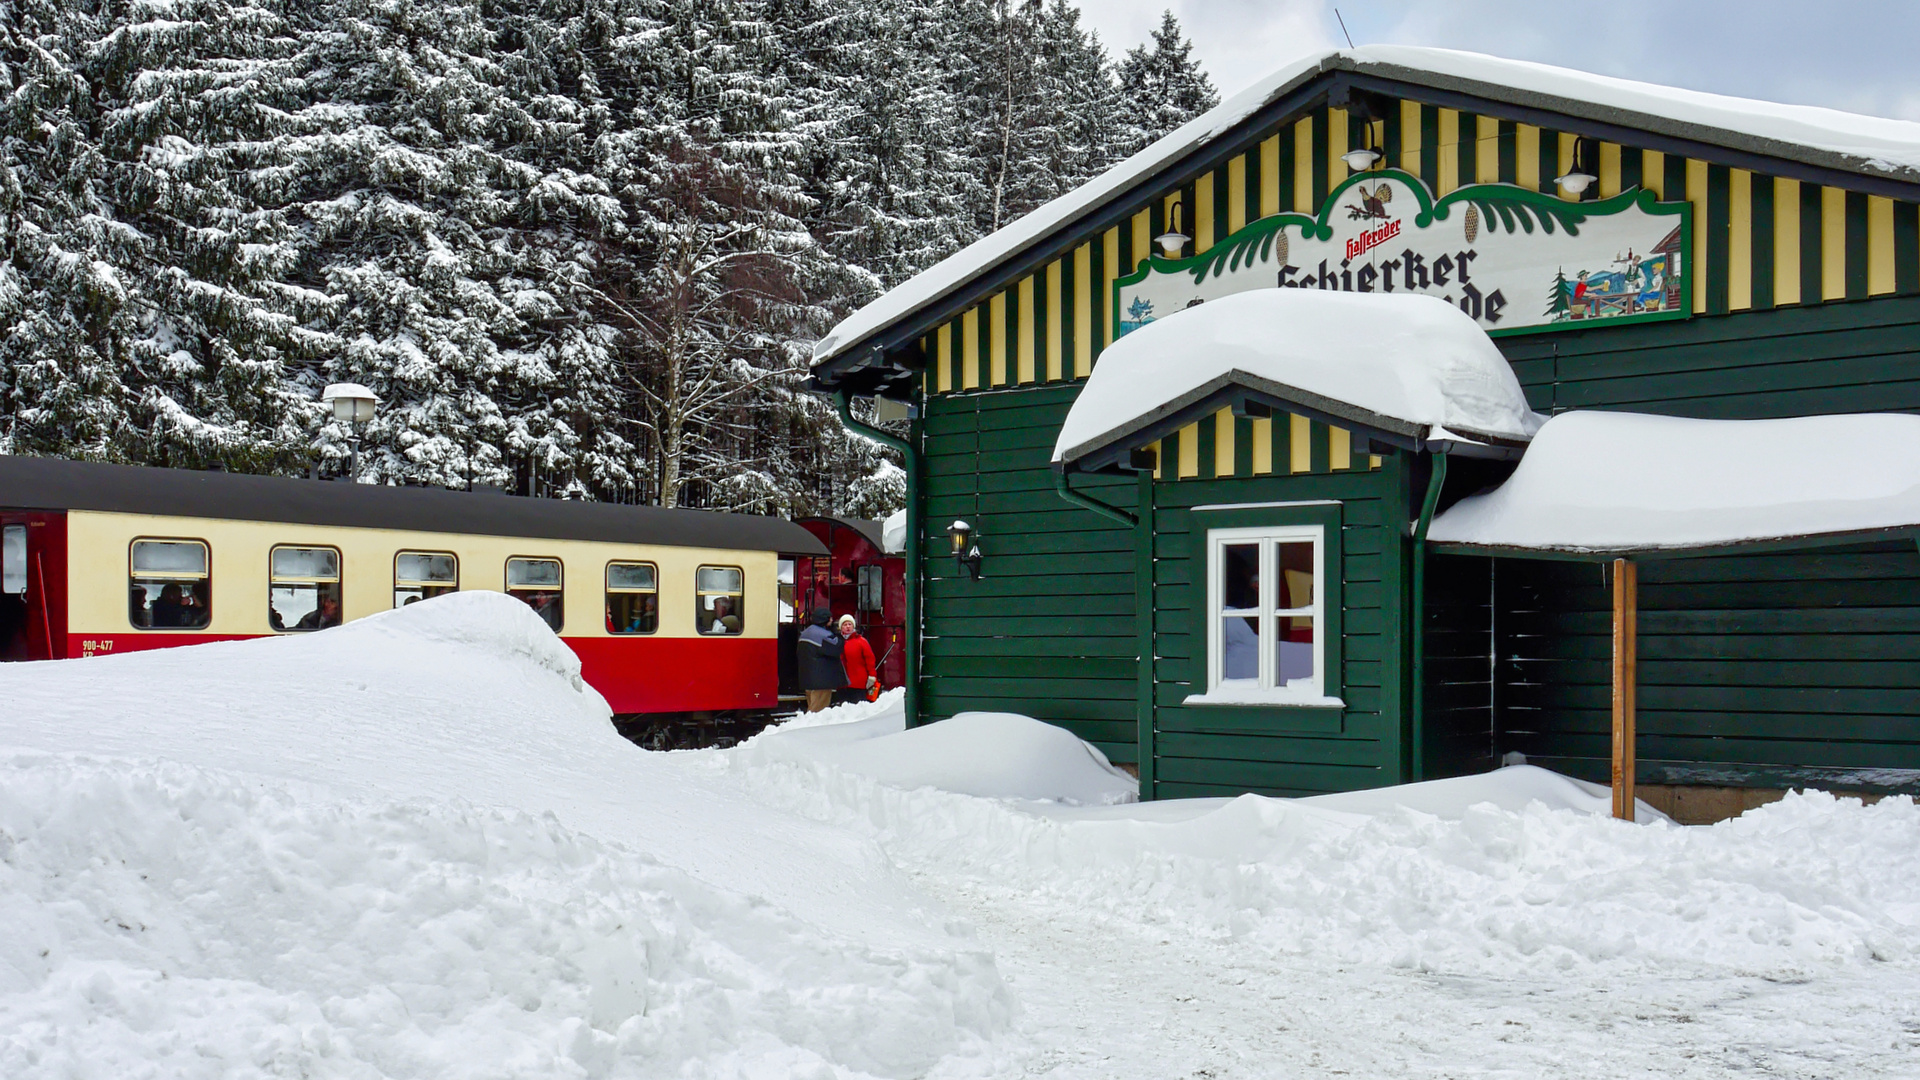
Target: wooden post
1626	609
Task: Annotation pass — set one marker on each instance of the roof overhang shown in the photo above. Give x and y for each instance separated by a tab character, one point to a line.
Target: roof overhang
1801	542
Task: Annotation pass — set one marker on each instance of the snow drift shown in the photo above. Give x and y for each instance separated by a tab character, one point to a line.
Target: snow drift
987	755
413	845
1514	871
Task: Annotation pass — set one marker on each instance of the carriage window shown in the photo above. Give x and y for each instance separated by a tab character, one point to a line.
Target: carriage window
536	583
13	560
871	594
633	598
1265	600
718	595
423	575
169	587
304	590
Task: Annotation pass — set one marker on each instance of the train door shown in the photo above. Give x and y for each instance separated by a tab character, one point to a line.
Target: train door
33	579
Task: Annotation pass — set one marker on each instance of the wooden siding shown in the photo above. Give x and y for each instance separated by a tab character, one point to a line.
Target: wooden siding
1226	750
1048	630
1763	241
1785	362
1458	678
1764	670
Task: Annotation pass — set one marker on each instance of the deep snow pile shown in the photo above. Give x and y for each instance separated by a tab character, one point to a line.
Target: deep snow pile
1518	870
986	755
414	846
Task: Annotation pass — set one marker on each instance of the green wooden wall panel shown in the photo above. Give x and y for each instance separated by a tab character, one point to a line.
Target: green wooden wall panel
1760	664
1048	629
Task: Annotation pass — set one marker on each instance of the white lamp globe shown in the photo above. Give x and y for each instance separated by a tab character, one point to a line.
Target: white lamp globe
351	402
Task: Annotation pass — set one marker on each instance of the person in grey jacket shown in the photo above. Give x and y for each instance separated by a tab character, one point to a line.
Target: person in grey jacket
818	659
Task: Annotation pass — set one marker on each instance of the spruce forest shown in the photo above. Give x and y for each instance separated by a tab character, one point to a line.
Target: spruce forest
579	248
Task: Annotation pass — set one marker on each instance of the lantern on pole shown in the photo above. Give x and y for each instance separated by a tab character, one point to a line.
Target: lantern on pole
353	405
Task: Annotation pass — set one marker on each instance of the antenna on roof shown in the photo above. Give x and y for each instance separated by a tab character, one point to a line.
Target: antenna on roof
1343	27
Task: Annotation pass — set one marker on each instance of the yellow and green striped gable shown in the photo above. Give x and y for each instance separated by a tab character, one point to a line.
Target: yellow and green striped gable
1762	240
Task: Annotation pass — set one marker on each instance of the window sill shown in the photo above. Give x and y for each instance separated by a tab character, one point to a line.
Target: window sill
1264	698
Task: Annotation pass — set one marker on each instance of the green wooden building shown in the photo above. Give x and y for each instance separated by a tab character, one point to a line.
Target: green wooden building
1627	247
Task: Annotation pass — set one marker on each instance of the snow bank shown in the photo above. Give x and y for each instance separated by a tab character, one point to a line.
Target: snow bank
1868	144
893	533
1415	360
987	755
414	845
1497	882
1513	788
1605	481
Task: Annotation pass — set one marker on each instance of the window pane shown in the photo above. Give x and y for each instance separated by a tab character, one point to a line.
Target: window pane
13	560
719	613
183	558
1240	577
533	573
1295	560
1294	659
633	613
160	604
545	603
719	579
630	576
1240	647
304	607
305	562
425	568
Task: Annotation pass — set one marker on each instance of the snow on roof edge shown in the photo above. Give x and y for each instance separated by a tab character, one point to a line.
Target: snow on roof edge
1850	141
1401	364
1597	482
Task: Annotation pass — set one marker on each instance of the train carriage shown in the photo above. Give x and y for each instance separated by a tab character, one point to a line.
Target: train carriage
673	613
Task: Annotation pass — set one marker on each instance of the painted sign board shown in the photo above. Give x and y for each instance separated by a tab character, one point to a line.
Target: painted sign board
1512	258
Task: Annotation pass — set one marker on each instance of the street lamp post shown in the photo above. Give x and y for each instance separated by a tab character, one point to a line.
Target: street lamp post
353	406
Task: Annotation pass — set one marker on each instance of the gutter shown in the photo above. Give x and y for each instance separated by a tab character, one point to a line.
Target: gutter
1062	485
916	528
1435	482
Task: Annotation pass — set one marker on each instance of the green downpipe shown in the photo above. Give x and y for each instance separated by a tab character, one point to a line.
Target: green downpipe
915	542
1434	483
1077	498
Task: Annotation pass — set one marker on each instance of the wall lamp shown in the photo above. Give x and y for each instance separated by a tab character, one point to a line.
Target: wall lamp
1580	177
965	551
1172	240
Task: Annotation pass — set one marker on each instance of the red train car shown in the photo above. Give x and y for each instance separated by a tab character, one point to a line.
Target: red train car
857	577
674	613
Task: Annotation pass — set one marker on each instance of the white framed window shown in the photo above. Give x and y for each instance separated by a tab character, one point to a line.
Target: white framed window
1266	616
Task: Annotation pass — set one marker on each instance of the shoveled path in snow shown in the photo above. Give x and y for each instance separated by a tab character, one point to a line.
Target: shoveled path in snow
1107	997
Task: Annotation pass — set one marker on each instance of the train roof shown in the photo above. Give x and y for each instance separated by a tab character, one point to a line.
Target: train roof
52	484
866	527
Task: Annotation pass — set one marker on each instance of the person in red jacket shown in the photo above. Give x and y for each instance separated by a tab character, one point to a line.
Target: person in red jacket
862	671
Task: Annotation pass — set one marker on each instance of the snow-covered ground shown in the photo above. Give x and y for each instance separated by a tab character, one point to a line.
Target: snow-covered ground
413	846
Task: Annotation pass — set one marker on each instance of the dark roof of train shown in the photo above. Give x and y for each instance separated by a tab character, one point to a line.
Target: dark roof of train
866	527
52	484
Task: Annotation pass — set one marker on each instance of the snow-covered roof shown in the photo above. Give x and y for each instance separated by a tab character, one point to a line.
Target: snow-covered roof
1827	138
1399	363
1608	482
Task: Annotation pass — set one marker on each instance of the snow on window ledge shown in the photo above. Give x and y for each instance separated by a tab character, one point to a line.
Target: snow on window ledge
1235	695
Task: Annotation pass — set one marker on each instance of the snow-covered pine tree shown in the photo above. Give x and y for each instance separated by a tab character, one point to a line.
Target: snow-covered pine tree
1161	86
66	310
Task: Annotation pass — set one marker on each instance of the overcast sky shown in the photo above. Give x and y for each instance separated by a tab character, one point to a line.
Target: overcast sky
1846	54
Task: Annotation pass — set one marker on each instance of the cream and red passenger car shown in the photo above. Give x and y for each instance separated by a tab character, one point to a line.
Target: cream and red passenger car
670	611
